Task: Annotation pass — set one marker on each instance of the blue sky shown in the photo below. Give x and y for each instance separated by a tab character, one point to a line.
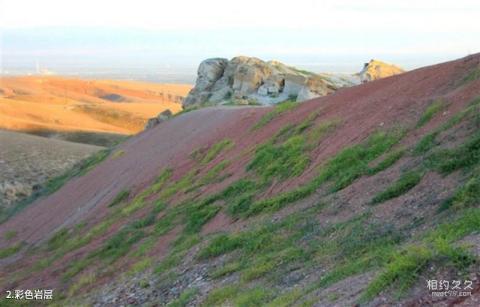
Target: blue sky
168	36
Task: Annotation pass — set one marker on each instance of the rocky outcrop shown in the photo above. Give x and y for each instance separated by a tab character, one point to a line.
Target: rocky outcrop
246	80
376	69
315	86
249	80
152	122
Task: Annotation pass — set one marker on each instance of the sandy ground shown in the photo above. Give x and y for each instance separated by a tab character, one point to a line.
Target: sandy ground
62	104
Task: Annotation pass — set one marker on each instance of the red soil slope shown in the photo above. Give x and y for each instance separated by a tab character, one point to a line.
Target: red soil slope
363	109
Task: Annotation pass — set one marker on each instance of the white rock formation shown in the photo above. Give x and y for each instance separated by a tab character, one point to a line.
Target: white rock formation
246	80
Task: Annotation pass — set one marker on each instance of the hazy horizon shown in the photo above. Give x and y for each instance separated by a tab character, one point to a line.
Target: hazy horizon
166	41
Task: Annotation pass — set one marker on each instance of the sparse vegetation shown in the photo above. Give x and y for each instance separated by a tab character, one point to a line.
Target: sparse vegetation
405	183
473	75
465	196
10	234
213	175
9	251
407	264
117	154
288	159
425	144
79	170
448	160
430	112
121	196
184	298
349	164
238	297
389	160
318	132
52	185
205	156
83	281
279	109
227	269
139	200
58	239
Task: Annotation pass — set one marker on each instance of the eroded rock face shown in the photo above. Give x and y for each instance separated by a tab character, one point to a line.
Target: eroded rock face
315	86
208	73
376	69
246	80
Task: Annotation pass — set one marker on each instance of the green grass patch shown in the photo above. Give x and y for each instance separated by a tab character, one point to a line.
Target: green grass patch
227	269
234	295
404	184
10	234
9	251
287	299
346	166
318	132
437	248
213	151
161	180
465	196
119	244
279	109
288	159
435	107
426	143
140	266
58	239
221	295
181	185
404	268
119	198
139	200
254	297
353	161
179	249
258	269
473	75
83	281
184	299
468	222
466	155
390	159
213	174
220	245
199	215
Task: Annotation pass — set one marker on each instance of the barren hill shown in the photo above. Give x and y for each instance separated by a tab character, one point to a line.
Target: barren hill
358	197
55	104
28	161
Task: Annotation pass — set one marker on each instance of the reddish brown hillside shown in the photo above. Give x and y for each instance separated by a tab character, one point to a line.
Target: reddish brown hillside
186	165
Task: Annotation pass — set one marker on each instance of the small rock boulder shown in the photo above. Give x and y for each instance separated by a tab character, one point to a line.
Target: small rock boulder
376	69
163	116
208	73
315	86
